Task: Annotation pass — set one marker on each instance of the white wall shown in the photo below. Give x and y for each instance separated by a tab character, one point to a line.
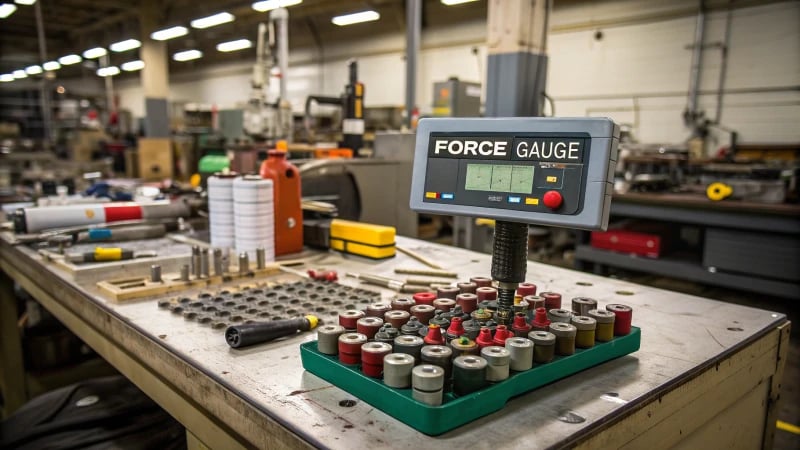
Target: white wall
637	74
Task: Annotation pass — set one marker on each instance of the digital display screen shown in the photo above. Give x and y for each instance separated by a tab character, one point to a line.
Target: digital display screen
499	178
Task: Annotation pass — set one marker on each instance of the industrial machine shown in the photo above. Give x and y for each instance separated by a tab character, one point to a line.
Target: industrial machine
517	171
456	98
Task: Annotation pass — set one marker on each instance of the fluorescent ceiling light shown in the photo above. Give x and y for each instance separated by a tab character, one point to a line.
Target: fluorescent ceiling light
267	5
187	55
169	33
7	9
349	19
455	2
33	70
130	66
19	74
231	46
213	20
25	2
69	59
124	46
108	71
93	53
51	65
6	77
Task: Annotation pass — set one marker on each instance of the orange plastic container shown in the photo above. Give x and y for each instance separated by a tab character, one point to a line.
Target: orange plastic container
288	211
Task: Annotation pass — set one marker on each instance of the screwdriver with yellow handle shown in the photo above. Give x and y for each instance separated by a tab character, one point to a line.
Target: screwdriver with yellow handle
255	333
102	254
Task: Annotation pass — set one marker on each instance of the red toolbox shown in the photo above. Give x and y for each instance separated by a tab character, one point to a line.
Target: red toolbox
626	241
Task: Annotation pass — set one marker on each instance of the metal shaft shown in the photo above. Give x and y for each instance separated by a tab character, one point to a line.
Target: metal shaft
509	264
155	273
244	263
195	262
185	272
218	262
260	258
204	263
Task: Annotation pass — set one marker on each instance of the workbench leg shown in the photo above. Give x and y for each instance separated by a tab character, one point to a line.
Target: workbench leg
12	369
193	443
775	385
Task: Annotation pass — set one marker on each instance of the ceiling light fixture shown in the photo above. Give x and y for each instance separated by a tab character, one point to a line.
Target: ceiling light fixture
187	55
268	5
213	20
33	70
96	52
70	59
19	74
51	65
124	46
169	33
25	2
131	66
108	71
232	46
7	9
359	17
6	77
456	2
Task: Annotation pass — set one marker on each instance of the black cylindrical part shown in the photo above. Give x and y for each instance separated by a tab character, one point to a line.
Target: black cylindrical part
510	252
256	333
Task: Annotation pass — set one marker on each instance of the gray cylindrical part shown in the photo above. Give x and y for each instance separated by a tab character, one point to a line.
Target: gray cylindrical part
218	269
410	345
438	355
244	263
497	362
195	262
185	272
559	315
328	339
582	305
429	398
204	263
155	273
261	258
469	374
427	378
397	370
521	350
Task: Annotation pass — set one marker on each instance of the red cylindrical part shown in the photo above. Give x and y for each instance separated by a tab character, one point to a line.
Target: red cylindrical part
444	304
424	298
486	293
116	212
481	281
468	302
368	326
423	312
350	347
623	318
447	292
526	289
397	318
467	288
552	300
378	309
404	304
520	326
434	336
501	334
372	354
349	318
456	327
485	338
540	321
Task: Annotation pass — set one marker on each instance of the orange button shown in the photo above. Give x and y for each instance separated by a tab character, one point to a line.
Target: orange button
552	199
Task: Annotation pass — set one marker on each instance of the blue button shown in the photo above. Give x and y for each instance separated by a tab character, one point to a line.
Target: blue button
447	196
514	199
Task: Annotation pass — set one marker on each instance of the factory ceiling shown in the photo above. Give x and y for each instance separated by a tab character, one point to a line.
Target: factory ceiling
73	26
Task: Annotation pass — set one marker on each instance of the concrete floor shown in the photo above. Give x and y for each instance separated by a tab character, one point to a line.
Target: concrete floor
789	403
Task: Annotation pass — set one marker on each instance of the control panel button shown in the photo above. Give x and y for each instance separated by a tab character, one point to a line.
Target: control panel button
552	199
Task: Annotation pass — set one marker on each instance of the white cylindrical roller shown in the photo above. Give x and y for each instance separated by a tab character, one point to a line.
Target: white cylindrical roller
220	210
254	216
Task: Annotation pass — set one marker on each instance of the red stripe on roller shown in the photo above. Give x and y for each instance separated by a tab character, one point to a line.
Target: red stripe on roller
116	212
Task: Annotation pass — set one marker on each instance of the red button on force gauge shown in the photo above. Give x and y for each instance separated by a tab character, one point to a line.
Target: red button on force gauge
552	199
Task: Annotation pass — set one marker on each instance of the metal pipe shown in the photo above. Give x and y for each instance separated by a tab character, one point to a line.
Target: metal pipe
691	113
281	16
723	69
44	95
413	26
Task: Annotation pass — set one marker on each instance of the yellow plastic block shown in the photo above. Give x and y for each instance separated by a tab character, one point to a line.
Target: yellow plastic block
372	241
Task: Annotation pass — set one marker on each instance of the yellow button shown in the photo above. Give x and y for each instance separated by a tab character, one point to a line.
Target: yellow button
531	201
552	179
430	195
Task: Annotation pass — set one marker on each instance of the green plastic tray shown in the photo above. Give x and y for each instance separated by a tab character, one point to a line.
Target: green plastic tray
456	411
